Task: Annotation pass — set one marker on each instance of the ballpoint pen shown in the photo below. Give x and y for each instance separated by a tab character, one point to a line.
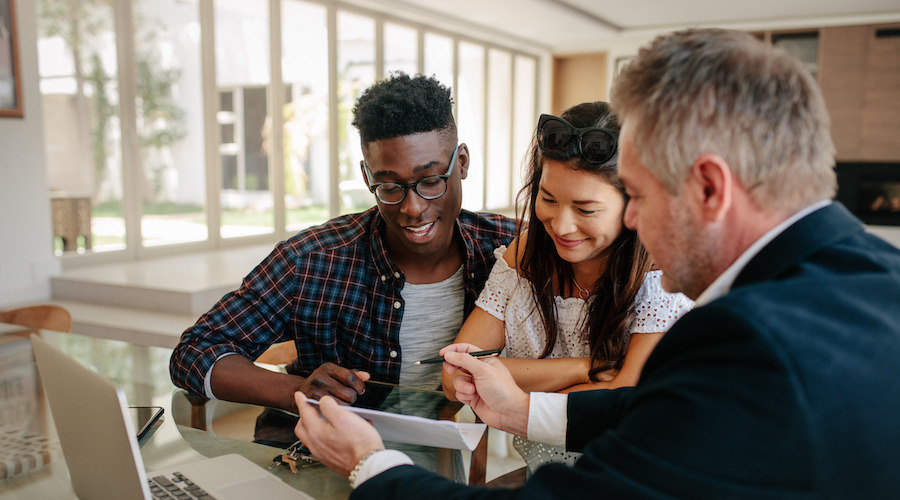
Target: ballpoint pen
476	354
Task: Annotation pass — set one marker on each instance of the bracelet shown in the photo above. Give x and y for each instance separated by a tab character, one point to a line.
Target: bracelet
355	471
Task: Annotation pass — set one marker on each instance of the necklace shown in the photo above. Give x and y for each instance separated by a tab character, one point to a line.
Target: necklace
584	294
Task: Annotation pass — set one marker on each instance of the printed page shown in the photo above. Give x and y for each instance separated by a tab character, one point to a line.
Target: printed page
421	431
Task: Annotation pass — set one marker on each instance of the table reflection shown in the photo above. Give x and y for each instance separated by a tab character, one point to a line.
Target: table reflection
24	442
225	424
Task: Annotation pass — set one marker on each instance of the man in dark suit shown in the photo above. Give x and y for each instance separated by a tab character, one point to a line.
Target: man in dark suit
782	382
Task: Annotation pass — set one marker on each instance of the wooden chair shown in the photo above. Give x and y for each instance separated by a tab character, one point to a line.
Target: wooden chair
279	354
512	479
46	317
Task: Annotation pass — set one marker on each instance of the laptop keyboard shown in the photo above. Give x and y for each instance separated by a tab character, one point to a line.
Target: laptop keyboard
177	486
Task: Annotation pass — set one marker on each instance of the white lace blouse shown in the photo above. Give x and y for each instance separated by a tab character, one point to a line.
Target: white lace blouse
507	297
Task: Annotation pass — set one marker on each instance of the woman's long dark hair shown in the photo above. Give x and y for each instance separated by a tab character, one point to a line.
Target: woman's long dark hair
611	304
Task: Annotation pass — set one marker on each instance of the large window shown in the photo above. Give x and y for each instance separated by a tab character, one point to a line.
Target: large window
170	123
355	72
470	118
80	88
498	183
173	124
304	69
401	49
242	79
439	58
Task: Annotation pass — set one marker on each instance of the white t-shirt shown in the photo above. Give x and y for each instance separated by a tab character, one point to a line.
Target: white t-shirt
432	316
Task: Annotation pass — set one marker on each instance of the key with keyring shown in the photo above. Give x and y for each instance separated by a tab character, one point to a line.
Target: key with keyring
295	456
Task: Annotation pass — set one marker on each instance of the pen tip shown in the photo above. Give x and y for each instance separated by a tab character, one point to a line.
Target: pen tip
417	363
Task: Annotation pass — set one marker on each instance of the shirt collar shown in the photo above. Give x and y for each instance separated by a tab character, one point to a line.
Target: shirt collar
722	284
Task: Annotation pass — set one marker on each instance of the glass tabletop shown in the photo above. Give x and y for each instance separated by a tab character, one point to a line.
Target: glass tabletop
191	427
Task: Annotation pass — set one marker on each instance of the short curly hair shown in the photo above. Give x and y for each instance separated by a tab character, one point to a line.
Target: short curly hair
402	105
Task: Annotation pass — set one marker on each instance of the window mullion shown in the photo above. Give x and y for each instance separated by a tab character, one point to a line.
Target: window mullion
210	122
379	49
334	201
485	127
512	132
276	105
131	158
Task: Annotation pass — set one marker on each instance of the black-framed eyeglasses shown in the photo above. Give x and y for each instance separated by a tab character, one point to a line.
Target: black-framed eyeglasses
596	145
429	188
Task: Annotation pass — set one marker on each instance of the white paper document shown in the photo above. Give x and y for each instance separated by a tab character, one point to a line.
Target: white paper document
419	430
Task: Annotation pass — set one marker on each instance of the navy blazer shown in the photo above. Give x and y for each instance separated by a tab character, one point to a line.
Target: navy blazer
786	387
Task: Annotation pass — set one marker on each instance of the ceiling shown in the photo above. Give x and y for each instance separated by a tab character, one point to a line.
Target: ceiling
573	25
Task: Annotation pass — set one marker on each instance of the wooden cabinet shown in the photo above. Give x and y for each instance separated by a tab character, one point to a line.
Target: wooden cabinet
858	70
578	78
860	78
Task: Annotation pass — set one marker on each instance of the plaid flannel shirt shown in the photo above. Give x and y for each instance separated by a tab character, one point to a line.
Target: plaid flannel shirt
335	292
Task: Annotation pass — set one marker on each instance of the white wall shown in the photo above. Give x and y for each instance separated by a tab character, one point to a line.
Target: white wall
26	255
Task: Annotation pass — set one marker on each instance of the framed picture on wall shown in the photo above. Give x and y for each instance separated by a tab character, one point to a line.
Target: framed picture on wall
10	78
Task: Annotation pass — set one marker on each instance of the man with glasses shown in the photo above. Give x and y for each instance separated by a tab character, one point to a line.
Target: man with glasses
363	295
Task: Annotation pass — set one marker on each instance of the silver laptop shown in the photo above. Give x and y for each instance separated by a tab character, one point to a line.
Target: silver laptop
102	453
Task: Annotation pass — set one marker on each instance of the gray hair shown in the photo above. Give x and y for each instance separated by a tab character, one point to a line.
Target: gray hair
724	92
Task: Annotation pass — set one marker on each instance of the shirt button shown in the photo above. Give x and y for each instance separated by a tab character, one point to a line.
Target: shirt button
472	275
383	277
393	354
397	304
396	275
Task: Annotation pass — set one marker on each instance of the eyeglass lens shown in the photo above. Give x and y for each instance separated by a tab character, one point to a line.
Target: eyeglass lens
554	135
596	146
430	187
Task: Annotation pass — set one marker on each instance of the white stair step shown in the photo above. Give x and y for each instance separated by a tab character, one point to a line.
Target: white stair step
184	284
136	326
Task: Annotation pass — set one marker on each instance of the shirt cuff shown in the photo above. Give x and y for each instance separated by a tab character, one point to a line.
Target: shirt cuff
207	384
380	462
547	419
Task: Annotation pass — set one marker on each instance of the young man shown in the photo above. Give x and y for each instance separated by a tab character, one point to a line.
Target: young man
781	382
363	295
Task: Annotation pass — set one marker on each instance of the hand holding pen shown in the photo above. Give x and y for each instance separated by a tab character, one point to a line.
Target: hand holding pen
488	387
476	354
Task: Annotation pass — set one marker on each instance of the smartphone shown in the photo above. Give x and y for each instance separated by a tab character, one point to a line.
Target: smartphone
143	418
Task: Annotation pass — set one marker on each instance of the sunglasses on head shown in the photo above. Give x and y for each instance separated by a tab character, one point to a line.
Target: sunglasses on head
595	145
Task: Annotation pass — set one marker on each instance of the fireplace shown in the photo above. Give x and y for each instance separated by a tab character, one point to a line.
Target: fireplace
871	191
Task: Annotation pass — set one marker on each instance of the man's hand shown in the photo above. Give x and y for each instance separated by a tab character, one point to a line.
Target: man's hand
339	440
487	386
330	379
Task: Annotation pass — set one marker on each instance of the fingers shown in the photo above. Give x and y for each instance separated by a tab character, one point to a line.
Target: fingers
467	363
333	412
320	387
350	378
463	384
460	347
309	418
330	379
302	407
452	349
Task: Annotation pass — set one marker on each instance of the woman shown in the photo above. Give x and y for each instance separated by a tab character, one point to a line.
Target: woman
573	300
